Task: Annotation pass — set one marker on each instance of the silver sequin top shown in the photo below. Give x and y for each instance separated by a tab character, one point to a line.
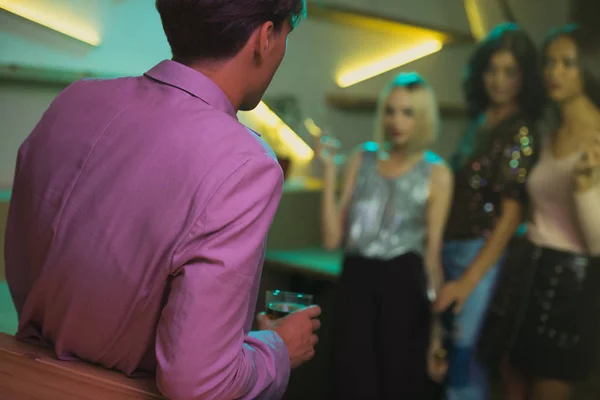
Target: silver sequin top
388	217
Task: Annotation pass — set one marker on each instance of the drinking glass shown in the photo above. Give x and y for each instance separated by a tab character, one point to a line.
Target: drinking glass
280	303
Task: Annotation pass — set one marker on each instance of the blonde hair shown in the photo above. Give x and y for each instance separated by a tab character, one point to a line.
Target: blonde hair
427	113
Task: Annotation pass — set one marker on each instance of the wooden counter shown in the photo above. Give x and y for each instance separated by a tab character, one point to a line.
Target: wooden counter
31	372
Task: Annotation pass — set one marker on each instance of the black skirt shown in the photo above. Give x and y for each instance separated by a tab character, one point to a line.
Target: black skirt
381	329
544	314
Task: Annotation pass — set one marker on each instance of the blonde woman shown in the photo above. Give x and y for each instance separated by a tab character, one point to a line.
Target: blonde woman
390	221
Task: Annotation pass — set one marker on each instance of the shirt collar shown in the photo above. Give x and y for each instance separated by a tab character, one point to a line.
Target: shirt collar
193	82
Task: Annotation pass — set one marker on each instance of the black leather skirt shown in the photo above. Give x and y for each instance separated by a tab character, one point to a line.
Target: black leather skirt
544	314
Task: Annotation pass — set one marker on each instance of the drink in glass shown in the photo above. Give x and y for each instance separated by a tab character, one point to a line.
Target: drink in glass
280	303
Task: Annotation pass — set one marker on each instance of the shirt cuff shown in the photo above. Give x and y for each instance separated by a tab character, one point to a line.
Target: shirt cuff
277	368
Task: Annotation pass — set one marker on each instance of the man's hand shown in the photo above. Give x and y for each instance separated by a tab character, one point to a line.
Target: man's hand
297	331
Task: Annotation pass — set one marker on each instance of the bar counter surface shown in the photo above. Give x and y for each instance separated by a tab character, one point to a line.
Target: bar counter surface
314	262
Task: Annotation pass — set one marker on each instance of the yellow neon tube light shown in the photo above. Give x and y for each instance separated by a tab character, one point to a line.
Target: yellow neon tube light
368	71
475	19
64	26
299	149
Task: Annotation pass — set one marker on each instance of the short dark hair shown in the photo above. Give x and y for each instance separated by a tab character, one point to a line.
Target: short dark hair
587	43
511	38
218	29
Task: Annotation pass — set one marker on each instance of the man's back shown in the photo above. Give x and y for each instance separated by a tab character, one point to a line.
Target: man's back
117	193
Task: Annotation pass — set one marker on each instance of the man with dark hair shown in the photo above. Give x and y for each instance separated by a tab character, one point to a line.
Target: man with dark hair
140	210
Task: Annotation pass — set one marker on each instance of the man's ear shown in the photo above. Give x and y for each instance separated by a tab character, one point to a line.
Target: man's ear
264	39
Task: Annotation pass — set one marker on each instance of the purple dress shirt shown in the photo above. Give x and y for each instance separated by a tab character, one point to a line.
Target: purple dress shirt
137	231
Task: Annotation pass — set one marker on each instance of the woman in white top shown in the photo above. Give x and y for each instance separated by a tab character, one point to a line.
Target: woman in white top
542	325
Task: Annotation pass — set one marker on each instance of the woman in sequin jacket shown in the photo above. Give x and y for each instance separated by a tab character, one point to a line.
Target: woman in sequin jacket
542	328
390	221
505	96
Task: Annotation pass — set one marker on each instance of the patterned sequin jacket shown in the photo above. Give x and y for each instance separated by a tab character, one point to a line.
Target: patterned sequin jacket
490	164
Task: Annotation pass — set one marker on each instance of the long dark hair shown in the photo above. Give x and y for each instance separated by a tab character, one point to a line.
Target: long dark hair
587	43
511	38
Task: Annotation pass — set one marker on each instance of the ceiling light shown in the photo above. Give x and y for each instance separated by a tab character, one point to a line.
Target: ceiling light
64	25
368	71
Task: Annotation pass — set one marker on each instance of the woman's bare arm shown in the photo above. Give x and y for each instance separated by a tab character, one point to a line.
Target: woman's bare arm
440	201
333	210
587	195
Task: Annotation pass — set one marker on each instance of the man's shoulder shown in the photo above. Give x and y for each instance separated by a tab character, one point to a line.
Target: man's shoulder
220	143
170	123
261	145
239	145
186	120
91	87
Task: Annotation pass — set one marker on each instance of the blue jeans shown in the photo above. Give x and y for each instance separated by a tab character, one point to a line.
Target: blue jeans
466	379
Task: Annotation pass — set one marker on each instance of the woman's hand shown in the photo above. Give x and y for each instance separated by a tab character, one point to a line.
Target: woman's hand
437	360
587	169
453	292
326	149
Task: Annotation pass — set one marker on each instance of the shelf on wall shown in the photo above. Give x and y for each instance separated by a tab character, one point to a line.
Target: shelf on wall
31	74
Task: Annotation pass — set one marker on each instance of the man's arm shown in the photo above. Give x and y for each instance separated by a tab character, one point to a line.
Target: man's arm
203	347
15	252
